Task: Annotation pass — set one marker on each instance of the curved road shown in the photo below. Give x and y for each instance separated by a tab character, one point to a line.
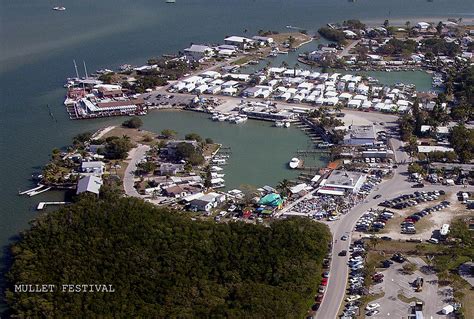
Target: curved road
134	156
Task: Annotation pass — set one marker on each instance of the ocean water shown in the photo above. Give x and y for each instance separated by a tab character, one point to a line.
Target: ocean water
38	45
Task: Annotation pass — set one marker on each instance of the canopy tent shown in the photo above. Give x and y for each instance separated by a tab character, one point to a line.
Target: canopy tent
272	199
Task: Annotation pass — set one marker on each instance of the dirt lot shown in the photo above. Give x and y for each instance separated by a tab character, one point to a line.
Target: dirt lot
427	225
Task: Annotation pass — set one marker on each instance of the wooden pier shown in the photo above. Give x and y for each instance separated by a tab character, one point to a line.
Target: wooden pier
312	152
42	205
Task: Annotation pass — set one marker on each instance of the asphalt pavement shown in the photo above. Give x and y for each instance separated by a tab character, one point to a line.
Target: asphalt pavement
134	156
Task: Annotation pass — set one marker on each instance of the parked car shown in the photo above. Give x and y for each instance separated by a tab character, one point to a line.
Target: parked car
372	306
353	298
343	253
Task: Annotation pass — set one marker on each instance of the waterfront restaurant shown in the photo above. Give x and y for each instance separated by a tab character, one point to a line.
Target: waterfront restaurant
347	180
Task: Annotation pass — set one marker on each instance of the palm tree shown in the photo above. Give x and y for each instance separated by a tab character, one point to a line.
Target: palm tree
283	187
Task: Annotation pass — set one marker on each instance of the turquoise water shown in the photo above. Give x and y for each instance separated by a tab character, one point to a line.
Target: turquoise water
38	46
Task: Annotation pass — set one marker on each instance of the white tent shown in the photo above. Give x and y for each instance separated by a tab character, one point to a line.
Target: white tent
447	309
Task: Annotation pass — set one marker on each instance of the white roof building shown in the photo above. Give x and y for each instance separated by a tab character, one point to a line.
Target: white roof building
89	184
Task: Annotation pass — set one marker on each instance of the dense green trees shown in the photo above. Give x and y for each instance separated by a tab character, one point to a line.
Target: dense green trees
396	46
164	265
462	140
117	147
134	122
440	47
333	35
188	152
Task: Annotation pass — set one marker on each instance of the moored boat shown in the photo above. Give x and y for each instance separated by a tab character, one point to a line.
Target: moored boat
294	163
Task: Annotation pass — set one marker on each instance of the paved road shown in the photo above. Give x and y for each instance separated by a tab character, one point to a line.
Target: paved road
134	156
338	269
345	51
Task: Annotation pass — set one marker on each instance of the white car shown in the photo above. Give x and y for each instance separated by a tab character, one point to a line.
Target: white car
372	306
353	298
359	267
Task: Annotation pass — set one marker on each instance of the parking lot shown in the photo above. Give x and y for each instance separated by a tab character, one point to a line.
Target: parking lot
159	100
430	215
400	292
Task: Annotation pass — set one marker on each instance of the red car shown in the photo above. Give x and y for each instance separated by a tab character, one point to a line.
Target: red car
324	282
319	298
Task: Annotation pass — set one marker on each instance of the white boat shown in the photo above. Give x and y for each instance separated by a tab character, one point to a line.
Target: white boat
231	118
219	161
279	124
325	145
286	124
215	117
59	8
241	119
104	71
170	1
216	169
294	163
222	118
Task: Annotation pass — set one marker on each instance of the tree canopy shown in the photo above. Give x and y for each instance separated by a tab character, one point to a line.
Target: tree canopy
134	122
162	264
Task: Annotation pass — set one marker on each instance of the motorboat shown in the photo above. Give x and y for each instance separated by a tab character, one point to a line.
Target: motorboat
240	119
215	117
59	8
222	118
294	163
279	124
286	124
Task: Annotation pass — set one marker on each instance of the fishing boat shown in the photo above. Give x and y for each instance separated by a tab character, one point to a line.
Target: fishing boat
294	163
59	8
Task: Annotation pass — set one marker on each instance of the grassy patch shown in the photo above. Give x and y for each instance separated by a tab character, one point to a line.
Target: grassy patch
242	60
405	299
365	300
298	37
209	149
136	135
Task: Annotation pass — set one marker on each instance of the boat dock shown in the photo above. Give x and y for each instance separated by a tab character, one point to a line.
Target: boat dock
33	193
42	205
30	190
311	152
